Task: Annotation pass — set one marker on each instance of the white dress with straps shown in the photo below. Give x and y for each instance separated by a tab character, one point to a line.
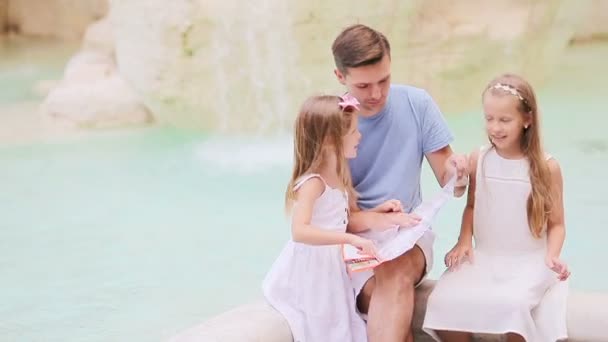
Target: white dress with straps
508	287
309	284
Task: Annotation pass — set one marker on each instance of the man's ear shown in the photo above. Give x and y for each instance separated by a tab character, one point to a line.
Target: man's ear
341	78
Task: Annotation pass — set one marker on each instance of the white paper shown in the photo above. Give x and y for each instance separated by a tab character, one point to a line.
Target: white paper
404	239
407	237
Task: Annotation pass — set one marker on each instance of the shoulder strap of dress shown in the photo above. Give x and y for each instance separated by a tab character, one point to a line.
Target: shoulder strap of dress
304	178
483	151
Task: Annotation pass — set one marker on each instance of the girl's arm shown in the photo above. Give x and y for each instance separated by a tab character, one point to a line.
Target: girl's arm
466	227
302	230
556	229
361	221
464	246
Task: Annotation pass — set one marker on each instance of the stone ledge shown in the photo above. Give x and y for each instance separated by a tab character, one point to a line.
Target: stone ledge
258	322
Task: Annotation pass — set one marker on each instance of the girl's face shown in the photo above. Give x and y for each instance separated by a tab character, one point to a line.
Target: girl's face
504	123
351	139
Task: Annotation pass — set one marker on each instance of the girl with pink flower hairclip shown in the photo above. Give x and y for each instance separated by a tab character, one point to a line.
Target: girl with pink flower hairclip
308	283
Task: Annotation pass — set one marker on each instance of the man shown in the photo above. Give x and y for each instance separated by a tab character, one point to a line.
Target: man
400	125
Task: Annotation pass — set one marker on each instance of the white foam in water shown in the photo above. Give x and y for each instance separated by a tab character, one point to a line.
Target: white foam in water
243	155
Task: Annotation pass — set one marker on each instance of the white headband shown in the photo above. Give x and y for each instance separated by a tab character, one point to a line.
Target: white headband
509	89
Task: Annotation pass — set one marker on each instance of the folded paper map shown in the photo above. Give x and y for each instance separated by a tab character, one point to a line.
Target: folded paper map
405	238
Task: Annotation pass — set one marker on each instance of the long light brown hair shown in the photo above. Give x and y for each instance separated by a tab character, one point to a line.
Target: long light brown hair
540	200
319	128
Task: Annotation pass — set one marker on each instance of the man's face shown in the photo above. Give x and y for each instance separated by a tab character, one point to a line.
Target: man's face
369	84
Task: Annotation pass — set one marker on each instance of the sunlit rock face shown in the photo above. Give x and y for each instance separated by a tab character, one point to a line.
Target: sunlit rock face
64	19
234	66
92	93
454	48
3	15
595	23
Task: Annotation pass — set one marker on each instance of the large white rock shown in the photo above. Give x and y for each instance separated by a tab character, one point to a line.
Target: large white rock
246	66
92	93
99	37
100	103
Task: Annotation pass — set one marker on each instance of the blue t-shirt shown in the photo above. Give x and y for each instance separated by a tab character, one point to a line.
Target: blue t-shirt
393	144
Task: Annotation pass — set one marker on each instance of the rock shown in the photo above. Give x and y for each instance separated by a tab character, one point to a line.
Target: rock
92	93
3	15
263	324
66	19
587	317
43	87
99	37
595	25
101	103
245	67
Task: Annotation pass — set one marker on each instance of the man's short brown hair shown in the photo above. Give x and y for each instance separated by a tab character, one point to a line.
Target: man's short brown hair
359	45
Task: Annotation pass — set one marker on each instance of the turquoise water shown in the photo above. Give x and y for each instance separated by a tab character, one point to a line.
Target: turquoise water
135	235
126	236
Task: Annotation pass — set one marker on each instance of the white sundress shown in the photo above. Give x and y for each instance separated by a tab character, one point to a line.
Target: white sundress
508	287
309	284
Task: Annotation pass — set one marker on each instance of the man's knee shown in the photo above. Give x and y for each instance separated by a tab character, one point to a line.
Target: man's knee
404	271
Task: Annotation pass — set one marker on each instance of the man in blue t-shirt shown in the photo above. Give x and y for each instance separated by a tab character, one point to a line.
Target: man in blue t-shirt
400	125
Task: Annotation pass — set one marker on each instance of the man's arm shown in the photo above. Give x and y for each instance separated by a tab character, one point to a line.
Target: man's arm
443	163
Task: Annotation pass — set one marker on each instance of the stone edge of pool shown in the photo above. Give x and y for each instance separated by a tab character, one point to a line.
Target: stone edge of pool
257	321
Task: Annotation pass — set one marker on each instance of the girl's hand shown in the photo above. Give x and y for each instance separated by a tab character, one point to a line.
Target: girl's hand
404	220
389	206
457	255
557	266
364	246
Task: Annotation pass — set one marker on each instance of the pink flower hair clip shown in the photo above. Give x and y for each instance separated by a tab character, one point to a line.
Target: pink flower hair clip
348	101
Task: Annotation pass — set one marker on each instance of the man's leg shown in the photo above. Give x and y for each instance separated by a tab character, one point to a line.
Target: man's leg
513	337
388	297
454	336
364	298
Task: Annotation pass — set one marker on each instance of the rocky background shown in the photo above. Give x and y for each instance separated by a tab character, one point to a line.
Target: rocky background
244	67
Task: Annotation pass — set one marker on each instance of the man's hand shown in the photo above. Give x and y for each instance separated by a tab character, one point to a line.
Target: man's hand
458	164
